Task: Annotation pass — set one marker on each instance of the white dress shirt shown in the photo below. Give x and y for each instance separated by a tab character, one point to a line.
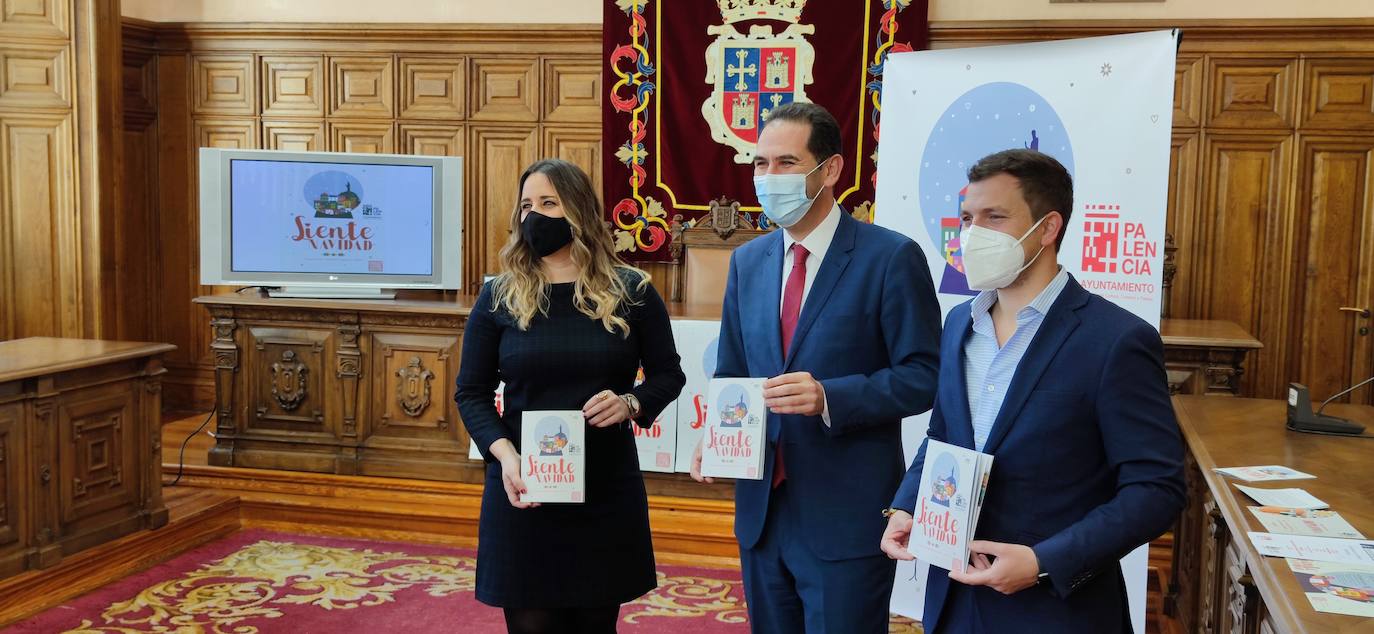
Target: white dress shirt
816	244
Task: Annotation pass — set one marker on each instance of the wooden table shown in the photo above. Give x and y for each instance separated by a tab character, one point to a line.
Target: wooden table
1221	583
80	446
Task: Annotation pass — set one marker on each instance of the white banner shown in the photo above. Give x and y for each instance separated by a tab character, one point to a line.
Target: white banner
1102	106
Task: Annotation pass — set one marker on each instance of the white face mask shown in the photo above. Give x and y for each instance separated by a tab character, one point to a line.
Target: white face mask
993	259
783	196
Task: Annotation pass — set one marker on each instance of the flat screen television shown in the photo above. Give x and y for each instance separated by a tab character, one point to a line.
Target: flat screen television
324	224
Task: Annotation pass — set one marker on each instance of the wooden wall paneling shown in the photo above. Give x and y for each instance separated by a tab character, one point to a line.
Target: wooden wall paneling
1336	241
361	86
300	136
577	145
292	85
1251	92
36	166
1182	220
1338	94
505	88
572	90
36	18
1188	89
371	137
35	75
136	246
432	87
1245	254
227	133
496	157
182	323
431	139
223	84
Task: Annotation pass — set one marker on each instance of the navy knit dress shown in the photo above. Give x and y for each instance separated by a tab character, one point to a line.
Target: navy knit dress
593	554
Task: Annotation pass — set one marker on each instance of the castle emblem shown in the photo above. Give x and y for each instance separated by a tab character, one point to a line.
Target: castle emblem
753	74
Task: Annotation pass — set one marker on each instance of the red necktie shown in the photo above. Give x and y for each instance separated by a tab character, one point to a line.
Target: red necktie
791	310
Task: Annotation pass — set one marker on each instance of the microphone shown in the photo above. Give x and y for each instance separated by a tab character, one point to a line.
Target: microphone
1301	418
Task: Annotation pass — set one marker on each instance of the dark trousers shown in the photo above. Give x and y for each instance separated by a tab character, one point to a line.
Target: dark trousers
790	589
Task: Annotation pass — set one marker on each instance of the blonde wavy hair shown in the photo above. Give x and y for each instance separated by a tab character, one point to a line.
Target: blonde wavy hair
602	290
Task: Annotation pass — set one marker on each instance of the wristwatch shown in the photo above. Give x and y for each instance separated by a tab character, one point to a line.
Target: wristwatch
632	402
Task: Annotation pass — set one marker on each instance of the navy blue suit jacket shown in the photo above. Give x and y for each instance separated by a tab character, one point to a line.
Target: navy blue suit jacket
869	332
1088	466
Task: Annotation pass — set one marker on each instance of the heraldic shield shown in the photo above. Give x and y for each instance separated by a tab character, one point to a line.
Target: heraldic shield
751	75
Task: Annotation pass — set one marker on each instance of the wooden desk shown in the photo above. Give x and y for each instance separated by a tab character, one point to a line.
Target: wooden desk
1221	584
1205	356
80	446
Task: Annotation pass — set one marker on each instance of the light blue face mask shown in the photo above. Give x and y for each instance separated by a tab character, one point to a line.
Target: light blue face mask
783	196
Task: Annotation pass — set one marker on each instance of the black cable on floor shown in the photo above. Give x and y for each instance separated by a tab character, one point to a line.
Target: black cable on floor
181	455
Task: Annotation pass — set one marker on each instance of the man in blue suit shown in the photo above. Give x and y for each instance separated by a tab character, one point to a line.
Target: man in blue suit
843	317
1067	391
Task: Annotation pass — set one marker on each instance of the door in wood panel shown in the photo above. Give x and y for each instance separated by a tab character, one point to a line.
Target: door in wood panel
35	75
1336	215
38	276
369	137
576	145
12	498
36	18
1339	94
1251	92
223	84
431	139
361	86
432	87
505	89
1245	259
1181	221
230	134
292	85
496	158
572	91
300	136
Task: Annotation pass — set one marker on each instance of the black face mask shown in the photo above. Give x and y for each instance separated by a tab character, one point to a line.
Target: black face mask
545	235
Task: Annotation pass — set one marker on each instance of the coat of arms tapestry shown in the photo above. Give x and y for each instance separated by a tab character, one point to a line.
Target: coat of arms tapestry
690	81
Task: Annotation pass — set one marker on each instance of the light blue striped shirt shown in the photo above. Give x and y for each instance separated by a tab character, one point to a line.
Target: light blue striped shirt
989	368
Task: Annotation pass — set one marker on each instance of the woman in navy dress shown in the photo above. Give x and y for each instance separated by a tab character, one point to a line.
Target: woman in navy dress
566	326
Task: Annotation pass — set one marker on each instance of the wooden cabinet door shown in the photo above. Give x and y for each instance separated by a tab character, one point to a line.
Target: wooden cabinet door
97	468
12	499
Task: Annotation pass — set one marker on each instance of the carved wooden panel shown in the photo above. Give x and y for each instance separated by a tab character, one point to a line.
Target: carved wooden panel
139	80
1340	94
11	472
362	136
37	232
292	85
288	371
432	87
234	134
361	86
572	91
97	466
1251	93
505	89
1337	248
1240	275
413	385
431	139
36	18
301	136
1181	220
223	84
136	235
577	145
1188	92
35	76
496	157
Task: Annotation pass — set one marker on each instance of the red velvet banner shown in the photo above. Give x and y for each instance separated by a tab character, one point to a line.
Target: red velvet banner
690	80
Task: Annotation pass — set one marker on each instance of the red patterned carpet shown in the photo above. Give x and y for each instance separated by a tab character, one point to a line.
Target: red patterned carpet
264	582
